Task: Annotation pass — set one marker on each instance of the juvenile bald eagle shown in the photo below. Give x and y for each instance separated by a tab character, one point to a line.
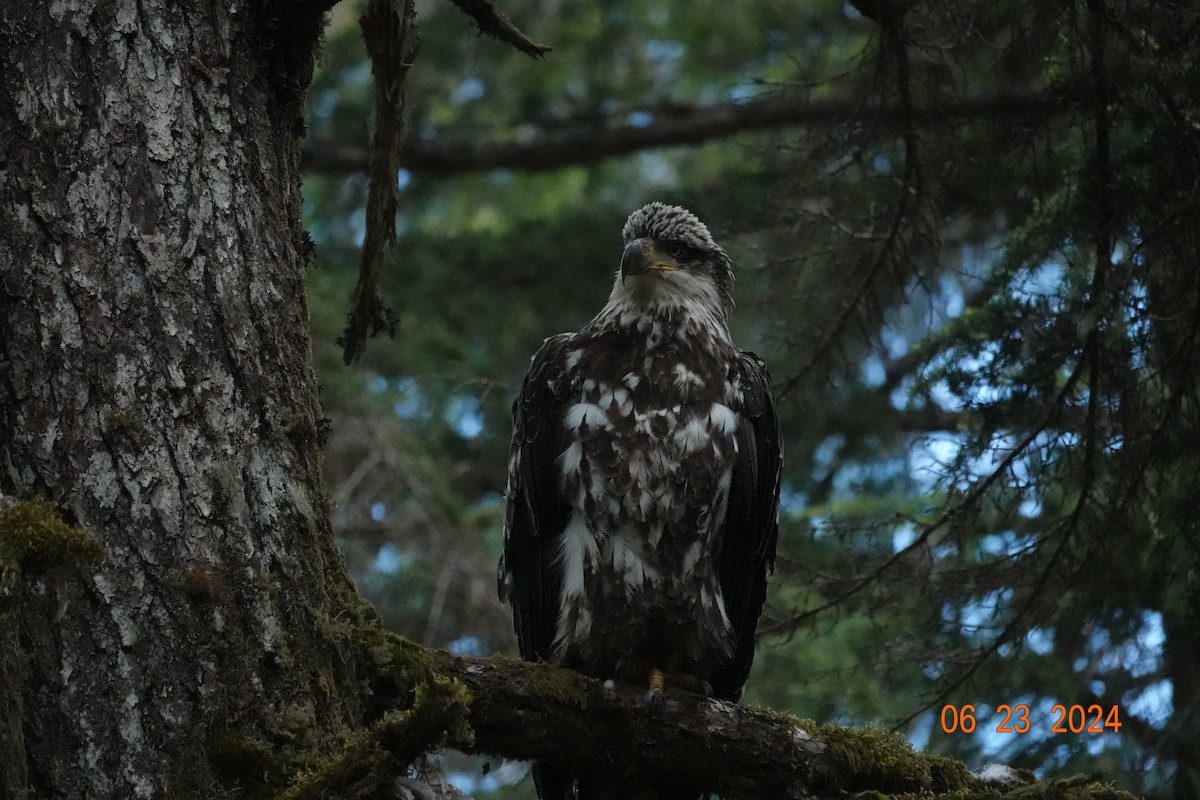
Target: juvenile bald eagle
643	488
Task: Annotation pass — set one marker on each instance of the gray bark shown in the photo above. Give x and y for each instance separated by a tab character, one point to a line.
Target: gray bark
155	382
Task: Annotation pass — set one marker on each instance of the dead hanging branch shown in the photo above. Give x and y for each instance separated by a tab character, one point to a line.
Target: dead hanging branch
390	32
493	23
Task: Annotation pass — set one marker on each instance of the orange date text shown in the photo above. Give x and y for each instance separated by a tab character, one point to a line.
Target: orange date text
1016	719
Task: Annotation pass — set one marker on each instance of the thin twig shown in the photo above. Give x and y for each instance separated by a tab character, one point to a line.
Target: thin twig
492	22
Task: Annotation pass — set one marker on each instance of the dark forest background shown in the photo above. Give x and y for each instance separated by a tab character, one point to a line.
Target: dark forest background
967	241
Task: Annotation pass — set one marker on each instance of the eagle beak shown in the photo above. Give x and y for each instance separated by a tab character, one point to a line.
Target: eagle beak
641	256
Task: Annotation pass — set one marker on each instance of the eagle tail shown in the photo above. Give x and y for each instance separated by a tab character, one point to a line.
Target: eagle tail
553	782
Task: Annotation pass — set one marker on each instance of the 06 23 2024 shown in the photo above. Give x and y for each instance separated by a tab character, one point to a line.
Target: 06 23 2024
1019	719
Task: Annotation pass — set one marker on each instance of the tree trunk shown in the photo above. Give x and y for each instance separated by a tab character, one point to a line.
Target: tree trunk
158	388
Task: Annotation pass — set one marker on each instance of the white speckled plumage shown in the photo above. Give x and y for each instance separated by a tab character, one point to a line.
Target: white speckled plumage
630	453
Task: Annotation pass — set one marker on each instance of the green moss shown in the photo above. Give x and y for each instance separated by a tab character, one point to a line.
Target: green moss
33	539
881	765
243	763
564	685
439	711
783	717
406	662
880	760
295	723
290	419
206	585
454	701
1080	787
875	763
124	424
360	764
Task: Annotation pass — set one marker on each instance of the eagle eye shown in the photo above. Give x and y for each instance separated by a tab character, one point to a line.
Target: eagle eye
674	249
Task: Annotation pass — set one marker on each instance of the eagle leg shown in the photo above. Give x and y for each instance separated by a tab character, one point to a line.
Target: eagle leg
678	681
654	696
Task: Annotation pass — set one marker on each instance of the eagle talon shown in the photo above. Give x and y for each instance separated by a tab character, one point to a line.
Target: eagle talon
655	703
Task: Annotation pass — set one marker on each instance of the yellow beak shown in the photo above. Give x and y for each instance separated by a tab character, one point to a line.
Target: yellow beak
641	256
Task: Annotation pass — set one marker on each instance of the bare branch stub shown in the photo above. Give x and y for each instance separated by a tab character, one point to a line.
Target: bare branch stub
492	22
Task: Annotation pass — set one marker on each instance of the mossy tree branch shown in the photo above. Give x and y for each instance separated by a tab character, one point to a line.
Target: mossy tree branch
526	711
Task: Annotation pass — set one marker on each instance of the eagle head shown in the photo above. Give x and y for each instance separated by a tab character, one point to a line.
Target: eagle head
669	253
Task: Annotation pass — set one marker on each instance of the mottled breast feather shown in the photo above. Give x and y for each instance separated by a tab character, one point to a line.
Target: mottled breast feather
588	430
643	487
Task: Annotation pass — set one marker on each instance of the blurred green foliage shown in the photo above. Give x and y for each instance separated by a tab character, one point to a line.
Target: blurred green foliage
982	320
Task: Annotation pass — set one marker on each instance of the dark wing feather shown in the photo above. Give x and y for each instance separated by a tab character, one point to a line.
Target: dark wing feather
536	514
751	521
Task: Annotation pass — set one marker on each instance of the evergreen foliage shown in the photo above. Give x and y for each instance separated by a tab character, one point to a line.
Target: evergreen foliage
978	292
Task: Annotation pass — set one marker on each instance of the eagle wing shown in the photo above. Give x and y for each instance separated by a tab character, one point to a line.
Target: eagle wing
530	578
751	521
